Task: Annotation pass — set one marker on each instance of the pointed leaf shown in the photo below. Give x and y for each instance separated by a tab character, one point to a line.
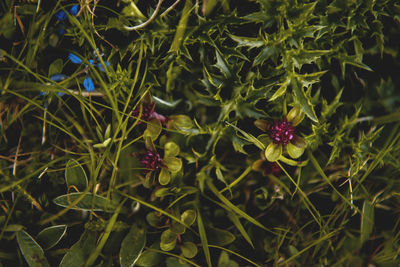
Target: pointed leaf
50	236
86	203
303	100
239	226
56	67
132	246
219	237
281	90
75	175
80	251
367	221
31	250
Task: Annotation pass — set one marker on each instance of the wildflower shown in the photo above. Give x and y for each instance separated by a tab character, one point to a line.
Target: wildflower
282	135
150	161
62	16
88	82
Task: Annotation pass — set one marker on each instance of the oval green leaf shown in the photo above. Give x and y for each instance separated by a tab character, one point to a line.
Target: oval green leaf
294	151
188	217
132	246
80	251
171	149
50	236
31	250
164	177
174	164
75	175
168	240
189	249
86	203
219	237
273	152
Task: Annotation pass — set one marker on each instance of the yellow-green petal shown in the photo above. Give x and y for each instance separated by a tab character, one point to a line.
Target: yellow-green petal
294	151
273	152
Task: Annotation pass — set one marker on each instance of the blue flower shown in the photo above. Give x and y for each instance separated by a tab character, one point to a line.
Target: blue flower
61	15
59	78
74	58
88	84
74	10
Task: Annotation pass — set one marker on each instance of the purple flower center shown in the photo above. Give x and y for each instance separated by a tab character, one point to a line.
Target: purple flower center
147	112
150	161
281	132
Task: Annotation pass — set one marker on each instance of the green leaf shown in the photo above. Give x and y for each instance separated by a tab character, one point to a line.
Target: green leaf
75	175
203	239
294	151
175	262
149	258
219	237
50	236
56	67
249	137
177	228
80	251
132	246
188	217
189	249
266	53
367	221
168	240
233	207
171	149
303	100
31	250
180	121
153	129
273	152
164	177
88	202
281	90
239	226
223	66
174	164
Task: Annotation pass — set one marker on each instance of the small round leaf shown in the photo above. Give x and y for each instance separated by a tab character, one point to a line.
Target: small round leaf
189	249
273	152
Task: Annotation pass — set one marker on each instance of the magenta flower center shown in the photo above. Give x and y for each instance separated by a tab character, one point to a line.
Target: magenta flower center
150	161
281	132
147	112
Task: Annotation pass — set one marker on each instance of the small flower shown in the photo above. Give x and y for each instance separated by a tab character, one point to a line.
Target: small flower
150	161
147	111
74	10
88	82
61	15
282	134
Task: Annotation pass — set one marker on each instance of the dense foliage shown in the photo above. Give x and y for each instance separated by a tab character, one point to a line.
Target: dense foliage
204	133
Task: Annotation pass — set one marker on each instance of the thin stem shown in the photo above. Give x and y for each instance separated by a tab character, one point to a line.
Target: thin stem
147	22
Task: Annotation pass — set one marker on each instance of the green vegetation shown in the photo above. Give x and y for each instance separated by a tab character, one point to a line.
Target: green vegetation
200	133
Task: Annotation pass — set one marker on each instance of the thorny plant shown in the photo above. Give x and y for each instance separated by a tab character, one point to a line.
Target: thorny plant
203	133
